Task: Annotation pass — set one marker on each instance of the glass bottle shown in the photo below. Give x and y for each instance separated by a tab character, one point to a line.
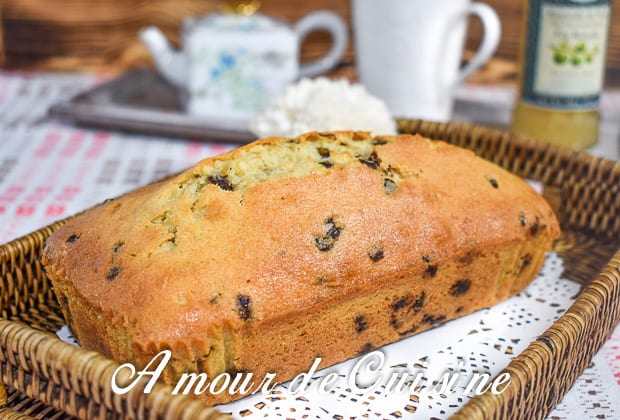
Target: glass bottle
562	67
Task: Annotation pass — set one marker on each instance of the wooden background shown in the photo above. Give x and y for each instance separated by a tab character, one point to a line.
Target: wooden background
101	35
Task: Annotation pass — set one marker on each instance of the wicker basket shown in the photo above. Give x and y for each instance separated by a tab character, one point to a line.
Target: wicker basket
44	377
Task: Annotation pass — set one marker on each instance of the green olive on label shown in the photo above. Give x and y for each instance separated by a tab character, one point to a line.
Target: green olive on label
559	57
581	47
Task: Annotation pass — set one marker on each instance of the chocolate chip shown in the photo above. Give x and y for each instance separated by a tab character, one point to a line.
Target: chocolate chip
458	310
117	246
432	319
522	219
112	272
73	238
243	306
376	253
323	243
409	331
405	310
215	299
326	242
535	227
460	287
389	186
431	270
221	181
326	163
107	200
379	141
493	182
426	258
333	231
399	304
366	348
323	151
371	161
418	304
360	323
525	261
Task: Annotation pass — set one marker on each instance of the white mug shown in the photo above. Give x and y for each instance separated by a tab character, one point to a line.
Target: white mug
408	52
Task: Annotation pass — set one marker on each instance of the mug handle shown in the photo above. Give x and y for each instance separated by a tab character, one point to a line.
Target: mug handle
331	23
492	31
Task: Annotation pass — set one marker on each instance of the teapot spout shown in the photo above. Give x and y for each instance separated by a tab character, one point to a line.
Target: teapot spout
170	63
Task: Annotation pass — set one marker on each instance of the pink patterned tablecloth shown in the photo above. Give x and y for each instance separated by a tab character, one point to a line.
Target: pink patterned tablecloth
50	169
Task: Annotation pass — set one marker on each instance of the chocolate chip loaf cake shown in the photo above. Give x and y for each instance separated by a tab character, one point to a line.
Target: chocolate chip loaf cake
326	245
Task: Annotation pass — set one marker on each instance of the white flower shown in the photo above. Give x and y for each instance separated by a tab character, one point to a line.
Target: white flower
323	105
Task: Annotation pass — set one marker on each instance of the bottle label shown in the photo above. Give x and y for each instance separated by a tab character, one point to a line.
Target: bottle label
565	53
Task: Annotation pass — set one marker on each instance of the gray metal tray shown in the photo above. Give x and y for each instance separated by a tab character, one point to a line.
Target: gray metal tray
141	101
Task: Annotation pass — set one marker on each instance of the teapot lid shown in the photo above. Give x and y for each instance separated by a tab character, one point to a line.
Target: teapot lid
231	22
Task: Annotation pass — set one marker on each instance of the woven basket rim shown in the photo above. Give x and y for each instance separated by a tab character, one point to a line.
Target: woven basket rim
600	294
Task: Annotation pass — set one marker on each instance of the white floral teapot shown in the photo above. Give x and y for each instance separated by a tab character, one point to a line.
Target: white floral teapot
232	65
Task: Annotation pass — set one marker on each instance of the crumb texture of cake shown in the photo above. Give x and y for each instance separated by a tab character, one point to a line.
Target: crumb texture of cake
287	249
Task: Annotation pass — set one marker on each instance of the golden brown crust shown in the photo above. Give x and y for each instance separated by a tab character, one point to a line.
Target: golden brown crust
326	263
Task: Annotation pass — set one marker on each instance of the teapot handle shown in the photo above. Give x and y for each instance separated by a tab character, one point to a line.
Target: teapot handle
332	23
